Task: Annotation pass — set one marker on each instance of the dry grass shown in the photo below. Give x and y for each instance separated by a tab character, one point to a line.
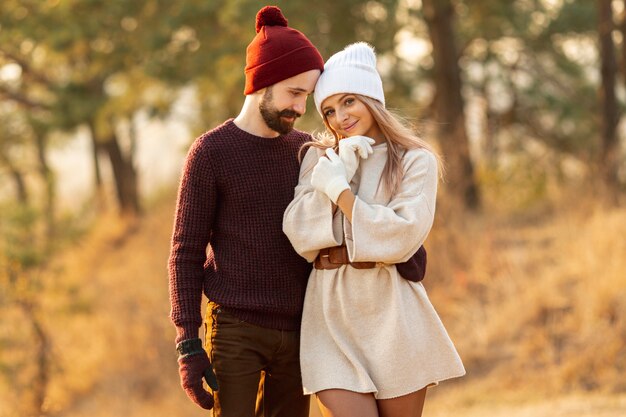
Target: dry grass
581	405
113	348
535	302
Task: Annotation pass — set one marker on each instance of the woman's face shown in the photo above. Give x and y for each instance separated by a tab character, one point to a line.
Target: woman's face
348	116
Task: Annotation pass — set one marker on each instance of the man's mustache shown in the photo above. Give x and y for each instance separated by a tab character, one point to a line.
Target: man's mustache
289	113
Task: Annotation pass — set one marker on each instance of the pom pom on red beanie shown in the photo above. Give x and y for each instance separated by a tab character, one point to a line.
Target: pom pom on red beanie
270	16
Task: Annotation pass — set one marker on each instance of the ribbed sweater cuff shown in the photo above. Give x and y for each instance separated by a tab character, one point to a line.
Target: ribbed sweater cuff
186	331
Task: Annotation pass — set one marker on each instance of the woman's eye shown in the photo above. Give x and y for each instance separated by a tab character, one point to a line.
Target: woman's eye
328	113
349	101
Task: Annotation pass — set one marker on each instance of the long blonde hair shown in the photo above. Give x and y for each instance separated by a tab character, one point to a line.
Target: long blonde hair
398	134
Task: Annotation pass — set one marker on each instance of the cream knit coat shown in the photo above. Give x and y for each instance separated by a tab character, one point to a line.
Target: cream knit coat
370	330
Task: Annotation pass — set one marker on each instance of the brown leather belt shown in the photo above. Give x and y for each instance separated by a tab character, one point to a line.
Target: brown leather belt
335	257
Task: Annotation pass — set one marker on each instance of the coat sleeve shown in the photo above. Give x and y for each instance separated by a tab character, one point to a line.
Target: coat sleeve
308	221
394	232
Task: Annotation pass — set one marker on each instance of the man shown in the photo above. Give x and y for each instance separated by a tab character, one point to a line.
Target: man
237	181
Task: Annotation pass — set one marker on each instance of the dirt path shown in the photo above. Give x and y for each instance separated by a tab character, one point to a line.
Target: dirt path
569	406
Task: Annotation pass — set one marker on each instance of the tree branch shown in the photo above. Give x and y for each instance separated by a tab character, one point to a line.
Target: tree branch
21	99
27	68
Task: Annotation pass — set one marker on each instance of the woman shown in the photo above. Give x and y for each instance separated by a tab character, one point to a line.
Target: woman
371	342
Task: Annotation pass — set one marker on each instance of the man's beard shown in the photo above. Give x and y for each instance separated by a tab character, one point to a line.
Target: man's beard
273	116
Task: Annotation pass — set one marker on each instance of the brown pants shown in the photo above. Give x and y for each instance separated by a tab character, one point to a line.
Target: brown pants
258	369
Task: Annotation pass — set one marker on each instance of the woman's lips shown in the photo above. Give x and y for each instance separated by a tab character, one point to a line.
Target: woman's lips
350	126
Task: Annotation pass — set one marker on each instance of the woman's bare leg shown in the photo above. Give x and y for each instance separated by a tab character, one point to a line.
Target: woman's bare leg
343	403
410	405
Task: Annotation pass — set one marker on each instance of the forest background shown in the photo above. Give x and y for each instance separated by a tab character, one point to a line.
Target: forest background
99	101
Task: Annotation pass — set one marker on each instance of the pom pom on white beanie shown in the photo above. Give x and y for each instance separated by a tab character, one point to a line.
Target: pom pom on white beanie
352	70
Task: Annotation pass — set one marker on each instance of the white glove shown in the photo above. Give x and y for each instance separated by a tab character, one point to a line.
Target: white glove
348	150
329	176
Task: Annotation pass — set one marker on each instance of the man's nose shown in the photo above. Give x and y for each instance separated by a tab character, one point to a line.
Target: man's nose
300	106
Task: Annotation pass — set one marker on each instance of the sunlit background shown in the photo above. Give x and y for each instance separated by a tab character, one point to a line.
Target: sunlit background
99	101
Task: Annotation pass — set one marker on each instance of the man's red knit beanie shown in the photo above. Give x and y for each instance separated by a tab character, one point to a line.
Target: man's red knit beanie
277	52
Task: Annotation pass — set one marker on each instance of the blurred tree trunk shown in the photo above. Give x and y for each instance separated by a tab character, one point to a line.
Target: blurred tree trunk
610	112
95	153
124	174
622	28
39	387
439	16
18	178
47	175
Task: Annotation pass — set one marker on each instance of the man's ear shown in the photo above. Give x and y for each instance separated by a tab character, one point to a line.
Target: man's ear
256	96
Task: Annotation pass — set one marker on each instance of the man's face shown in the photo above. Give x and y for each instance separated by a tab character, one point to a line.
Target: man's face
285	101
279	120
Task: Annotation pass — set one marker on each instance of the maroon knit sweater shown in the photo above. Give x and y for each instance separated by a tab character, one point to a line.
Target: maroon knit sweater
233	193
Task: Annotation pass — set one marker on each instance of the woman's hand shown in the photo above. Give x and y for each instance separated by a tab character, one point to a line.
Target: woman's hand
329	175
350	149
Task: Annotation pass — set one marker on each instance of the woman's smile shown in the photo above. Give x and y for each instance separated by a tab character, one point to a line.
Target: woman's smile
351	125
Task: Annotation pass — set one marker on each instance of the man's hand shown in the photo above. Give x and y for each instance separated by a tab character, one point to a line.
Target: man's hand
329	176
192	368
350	149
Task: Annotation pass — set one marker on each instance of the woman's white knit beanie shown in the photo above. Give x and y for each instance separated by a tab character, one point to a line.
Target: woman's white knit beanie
352	70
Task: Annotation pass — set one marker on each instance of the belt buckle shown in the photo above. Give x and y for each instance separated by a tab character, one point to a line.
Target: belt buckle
323	261
338	255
